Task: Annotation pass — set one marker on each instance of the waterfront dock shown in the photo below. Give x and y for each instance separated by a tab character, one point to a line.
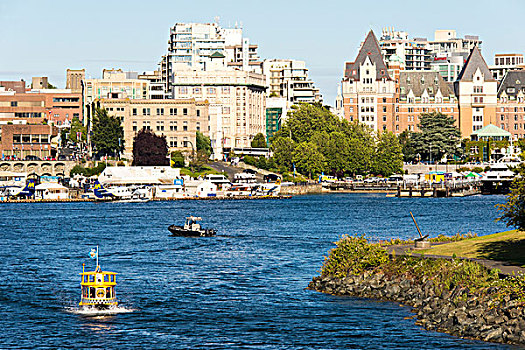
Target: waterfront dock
423	190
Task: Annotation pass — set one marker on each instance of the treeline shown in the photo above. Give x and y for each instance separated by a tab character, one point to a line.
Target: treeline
314	141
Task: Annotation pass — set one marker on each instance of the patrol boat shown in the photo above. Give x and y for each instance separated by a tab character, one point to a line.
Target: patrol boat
98	287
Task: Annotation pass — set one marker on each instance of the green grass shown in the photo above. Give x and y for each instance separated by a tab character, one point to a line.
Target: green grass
508	246
204	171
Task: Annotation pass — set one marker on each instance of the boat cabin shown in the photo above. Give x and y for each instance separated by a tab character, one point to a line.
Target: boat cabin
98	288
192	224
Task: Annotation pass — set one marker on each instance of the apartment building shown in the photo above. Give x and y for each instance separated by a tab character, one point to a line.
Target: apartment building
157	86
178	120
289	79
368	91
415	54
504	63
192	44
447	41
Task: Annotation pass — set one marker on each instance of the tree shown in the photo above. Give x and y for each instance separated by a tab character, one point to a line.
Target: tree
282	148
308	159
76	128
203	143
513	210
108	134
259	141
407	146
150	149
388	157
305	119
438	136
177	159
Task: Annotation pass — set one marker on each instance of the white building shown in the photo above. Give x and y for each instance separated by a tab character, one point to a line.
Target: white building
237	102
504	62
415	54
289	79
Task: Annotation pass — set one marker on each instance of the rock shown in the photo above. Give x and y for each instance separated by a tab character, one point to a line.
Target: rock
494	335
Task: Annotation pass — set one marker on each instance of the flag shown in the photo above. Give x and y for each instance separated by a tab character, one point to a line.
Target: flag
93	254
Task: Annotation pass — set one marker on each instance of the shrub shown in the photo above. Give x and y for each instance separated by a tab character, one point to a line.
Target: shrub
353	255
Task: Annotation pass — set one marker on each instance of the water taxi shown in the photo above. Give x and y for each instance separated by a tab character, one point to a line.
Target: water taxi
98	287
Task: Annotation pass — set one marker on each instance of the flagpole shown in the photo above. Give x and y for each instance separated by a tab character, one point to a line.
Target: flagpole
97	257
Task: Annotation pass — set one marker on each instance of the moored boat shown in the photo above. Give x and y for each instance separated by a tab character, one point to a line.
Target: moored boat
191	228
98	287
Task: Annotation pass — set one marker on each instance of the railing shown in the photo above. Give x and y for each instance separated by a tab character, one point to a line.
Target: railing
99	300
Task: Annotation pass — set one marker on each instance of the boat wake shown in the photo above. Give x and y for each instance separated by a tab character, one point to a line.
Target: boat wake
94	312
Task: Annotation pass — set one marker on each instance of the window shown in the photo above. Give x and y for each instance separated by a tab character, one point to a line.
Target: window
384	109
134	111
384	118
173	111
14	103
173	126
160	111
134	126
384	99
185	126
17	138
198	126
198	112
160	126
185	111
146	111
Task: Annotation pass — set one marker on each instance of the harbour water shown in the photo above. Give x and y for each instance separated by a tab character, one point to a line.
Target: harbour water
243	289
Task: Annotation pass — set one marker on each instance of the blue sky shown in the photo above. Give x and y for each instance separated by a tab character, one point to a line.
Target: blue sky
44	38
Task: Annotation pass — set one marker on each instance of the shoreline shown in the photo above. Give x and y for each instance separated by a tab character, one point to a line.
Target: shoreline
70	200
463	297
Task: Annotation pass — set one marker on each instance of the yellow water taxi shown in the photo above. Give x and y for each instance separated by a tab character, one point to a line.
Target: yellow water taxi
98	287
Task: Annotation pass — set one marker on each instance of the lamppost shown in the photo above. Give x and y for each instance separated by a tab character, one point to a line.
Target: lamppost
192	151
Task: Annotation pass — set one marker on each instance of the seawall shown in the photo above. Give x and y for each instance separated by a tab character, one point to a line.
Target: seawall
457	311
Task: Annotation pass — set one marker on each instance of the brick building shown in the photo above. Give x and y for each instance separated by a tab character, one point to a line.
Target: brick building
55	106
23	140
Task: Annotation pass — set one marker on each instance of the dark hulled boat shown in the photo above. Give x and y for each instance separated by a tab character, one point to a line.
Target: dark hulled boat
191	228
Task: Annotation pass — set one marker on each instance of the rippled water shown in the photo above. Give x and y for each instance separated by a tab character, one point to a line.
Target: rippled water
244	288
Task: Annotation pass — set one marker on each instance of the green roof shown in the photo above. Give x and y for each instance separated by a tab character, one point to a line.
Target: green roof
217	54
491	131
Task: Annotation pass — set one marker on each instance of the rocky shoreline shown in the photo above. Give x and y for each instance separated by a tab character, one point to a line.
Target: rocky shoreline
457	311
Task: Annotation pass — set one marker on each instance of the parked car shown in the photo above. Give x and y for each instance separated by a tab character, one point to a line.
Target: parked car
31	157
62	157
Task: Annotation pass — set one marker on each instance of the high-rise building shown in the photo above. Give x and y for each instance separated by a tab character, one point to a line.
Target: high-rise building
289	79
506	62
414	54
192	45
446	41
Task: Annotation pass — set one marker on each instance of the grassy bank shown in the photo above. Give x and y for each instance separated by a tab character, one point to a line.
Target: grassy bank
355	256
506	246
